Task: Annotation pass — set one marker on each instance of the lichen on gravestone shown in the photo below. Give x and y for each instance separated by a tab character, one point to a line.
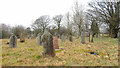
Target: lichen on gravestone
47	42
13	41
39	39
63	38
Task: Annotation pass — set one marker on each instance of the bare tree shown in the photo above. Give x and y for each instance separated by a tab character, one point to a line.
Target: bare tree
87	25
52	29
107	13
57	20
28	32
41	24
18	30
5	31
68	29
78	16
68	23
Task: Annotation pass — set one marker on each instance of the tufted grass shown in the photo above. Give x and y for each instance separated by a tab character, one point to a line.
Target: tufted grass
73	53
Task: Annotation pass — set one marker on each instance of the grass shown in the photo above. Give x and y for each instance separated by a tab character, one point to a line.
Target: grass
73	53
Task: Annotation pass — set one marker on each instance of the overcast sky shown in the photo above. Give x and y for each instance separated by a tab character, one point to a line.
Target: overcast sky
24	12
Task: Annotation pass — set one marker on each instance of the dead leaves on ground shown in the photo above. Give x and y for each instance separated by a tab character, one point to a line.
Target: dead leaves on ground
73	53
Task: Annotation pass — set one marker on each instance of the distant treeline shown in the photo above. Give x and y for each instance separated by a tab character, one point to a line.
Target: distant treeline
76	23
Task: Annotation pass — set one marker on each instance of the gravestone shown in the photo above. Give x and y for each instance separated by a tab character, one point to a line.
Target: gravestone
47	41
118	35
13	41
22	38
39	39
70	38
83	37
55	43
63	38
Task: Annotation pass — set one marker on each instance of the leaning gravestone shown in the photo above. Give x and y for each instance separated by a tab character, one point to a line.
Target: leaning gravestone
70	38
47	41
39	39
13	41
55	43
22	38
63	38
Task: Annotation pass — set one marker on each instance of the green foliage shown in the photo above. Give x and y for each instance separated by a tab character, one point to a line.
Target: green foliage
38	56
57	50
30	49
106	12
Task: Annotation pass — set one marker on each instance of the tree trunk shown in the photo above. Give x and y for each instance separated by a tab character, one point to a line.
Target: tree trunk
114	33
92	37
89	37
58	30
48	48
96	35
79	30
70	38
119	38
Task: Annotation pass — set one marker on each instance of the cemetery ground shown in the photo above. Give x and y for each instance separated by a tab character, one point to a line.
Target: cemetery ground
74	53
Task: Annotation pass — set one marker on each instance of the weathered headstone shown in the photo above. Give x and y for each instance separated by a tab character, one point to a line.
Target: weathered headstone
55	43
47	41
39	39
70	38
83	37
63	38
22	38
13	41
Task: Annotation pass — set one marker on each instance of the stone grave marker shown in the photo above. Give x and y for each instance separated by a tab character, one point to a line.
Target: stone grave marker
63	38
39	39
47	41
55	43
13	41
